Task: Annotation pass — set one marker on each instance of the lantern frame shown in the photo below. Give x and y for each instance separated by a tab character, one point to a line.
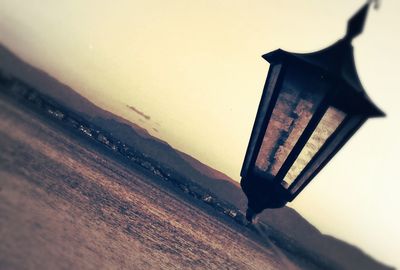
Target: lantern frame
334	70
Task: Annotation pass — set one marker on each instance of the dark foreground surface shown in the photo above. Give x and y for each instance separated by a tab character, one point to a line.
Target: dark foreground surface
66	205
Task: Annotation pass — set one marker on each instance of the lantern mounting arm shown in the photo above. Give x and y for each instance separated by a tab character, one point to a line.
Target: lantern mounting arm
355	26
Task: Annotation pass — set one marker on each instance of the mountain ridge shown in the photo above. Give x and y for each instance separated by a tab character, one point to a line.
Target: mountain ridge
205	169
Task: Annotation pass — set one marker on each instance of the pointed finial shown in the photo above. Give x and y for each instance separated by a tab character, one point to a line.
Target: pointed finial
356	23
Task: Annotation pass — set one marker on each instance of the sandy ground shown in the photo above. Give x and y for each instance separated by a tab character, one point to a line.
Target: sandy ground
65	205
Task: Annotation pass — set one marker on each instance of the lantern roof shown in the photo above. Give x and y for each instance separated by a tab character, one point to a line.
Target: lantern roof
336	60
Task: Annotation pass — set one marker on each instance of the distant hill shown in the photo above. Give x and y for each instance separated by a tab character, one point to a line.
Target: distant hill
206	170
286	221
48	85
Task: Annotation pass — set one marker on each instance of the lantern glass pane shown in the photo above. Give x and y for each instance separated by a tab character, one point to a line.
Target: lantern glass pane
325	128
290	116
269	89
350	124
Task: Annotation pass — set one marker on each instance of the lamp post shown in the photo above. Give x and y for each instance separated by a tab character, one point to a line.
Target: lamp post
310	107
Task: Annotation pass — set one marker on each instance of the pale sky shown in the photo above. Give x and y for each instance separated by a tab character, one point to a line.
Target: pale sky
195	68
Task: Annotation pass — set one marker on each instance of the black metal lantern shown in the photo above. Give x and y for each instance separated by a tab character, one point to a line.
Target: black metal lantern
311	105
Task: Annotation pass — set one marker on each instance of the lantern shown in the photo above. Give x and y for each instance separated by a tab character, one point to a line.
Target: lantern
310	107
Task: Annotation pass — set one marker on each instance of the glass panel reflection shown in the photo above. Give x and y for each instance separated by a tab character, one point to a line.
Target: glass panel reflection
328	124
352	123
291	114
264	106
